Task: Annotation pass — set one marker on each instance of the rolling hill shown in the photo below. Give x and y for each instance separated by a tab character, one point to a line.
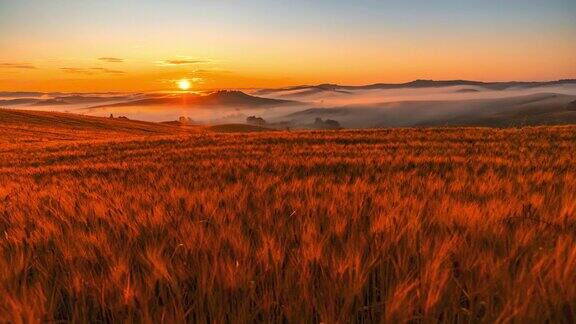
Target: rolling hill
536	109
422	84
27	126
24	125
219	98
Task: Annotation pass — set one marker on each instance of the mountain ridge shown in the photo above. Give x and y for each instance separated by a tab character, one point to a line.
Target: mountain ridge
423	83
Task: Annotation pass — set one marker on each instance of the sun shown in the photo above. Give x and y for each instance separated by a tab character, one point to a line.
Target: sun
183	84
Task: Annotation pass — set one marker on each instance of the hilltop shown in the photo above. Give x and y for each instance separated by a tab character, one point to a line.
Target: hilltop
218	98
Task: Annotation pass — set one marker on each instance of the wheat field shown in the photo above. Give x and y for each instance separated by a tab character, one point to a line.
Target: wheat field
119	221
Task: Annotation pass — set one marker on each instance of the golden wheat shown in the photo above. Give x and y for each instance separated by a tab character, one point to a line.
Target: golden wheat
419	225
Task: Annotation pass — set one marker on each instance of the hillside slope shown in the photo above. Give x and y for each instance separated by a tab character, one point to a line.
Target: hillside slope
25	126
215	99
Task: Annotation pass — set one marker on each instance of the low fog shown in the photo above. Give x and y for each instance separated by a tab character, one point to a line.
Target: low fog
350	107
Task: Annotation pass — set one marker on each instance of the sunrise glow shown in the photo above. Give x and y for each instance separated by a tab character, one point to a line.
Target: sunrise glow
183	84
89	46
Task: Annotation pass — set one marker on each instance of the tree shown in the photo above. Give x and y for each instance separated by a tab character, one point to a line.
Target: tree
255	120
326	124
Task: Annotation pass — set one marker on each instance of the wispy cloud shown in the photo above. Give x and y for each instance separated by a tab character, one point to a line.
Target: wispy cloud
211	71
182	61
111	59
25	66
76	70
90	71
193	80
104	70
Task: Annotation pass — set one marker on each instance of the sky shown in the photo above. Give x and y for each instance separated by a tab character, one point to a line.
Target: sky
145	45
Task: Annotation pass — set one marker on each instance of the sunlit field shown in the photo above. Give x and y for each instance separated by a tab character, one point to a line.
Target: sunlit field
107	220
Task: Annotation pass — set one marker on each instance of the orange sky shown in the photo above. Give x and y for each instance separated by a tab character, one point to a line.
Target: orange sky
96	50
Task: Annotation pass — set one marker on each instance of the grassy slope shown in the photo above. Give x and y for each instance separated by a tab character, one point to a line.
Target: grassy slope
34	126
38	125
454	224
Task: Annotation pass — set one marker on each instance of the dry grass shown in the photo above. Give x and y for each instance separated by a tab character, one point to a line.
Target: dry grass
423	225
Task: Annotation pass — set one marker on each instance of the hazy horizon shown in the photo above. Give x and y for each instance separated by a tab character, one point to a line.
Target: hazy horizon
351	107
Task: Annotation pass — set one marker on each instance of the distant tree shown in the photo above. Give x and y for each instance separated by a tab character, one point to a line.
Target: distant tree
111	116
185	120
326	124
255	120
331	123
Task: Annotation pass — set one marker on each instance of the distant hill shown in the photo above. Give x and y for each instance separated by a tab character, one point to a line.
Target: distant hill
467	90
49	102
535	109
423	84
219	98
20	94
79	99
18	101
61	100
58	101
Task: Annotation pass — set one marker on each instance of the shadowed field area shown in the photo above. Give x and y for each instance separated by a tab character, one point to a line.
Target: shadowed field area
35	126
114	220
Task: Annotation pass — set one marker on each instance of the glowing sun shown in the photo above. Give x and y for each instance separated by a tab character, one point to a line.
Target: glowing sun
183	84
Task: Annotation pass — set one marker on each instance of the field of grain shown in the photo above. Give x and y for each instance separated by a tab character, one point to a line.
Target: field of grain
107	220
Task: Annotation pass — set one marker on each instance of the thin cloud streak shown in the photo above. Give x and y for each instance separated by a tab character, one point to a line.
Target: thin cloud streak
25	66
181	62
76	70
90	71
111	59
104	70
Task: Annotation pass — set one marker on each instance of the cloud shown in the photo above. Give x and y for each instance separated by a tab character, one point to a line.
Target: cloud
182	62
194	80
76	70
211	71
111	59
90	71
104	70
18	66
